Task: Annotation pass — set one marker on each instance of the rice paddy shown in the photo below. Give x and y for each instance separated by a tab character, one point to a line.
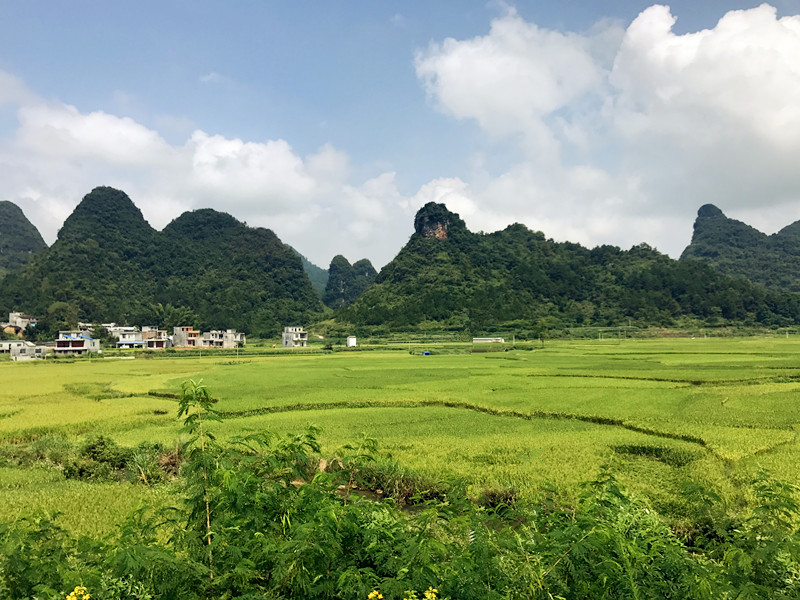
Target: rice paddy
660	412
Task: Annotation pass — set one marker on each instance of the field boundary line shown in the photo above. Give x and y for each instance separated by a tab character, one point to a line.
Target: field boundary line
527	416
794	378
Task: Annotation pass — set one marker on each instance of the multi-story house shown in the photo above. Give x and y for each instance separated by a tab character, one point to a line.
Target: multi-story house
294	337
75	342
230	338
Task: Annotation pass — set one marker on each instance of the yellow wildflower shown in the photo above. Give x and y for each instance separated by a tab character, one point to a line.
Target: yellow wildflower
79	593
375	595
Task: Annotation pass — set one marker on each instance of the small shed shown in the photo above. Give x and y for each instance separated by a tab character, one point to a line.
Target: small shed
351	341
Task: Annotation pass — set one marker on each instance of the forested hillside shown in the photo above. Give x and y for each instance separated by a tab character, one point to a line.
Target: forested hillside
459	279
735	248
19	239
347	282
108	264
317	275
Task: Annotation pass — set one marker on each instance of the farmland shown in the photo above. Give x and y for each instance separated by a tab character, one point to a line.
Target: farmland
659	412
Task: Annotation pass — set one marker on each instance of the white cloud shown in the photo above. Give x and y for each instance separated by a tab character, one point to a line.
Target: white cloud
247	173
713	115
449	191
626	132
59	130
510	80
622	133
212	77
58	154
13	90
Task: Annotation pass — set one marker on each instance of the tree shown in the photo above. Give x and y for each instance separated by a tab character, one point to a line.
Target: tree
169	316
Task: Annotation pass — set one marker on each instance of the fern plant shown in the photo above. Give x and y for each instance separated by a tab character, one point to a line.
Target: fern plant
196	406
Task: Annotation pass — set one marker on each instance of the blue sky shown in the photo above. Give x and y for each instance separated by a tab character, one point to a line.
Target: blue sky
333	122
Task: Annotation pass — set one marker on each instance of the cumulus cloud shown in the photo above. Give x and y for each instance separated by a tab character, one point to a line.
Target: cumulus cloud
57	154
247	172
60	130
450	191
212	77
510	80
722	106
620	133
626	129
13	90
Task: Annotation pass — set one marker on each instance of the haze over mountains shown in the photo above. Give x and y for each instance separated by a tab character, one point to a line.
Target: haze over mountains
108	263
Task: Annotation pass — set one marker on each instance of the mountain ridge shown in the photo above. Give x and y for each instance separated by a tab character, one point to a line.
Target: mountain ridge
19	238
735	248
451	277
109	264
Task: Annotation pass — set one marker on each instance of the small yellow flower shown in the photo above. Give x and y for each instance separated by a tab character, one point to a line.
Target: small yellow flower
79	593
375	595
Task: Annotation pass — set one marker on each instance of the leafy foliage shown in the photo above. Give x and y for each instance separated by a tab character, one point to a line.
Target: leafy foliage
168	317
260	521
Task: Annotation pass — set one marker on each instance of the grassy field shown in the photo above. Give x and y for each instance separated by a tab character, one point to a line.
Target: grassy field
661	412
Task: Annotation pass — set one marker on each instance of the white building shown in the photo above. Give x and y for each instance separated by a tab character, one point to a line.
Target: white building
7	346
294	337
351	341
118	330
75	342
130	339
230	338
17	319
28	351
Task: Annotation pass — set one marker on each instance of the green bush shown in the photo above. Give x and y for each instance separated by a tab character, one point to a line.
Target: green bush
258	521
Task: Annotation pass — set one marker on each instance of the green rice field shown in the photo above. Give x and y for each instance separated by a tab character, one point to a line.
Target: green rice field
659	412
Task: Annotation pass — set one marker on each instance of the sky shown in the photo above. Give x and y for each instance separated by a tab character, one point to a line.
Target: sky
333	122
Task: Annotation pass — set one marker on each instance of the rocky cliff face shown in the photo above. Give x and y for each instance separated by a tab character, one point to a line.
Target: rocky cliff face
434	221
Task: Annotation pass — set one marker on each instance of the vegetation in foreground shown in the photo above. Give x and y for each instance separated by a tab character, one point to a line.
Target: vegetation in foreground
259	520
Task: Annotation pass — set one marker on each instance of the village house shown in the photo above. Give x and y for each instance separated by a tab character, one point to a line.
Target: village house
130	339
27	351
229	338
6	346
151	338
188	337
17	322
185	337
155	338
294	337
116	331
74	343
